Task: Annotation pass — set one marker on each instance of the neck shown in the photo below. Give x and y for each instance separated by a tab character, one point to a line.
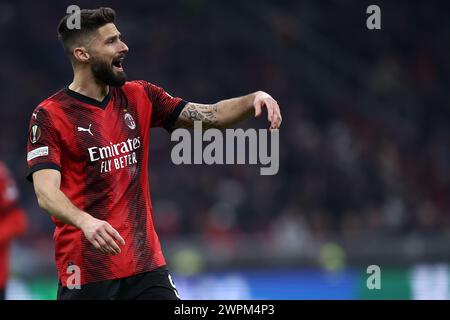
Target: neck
85	83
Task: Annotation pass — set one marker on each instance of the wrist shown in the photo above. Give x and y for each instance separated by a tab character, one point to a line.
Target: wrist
261	94
254	96
83	220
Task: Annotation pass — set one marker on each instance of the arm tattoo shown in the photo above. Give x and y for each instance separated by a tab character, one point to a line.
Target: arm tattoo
205	113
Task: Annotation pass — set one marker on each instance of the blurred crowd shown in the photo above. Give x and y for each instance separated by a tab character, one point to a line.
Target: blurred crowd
364	141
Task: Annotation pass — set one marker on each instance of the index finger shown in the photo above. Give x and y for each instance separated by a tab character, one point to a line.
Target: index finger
113	232
270	111
278	115
273	106
110	244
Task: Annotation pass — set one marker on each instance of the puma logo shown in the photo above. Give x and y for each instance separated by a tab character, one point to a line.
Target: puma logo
87	130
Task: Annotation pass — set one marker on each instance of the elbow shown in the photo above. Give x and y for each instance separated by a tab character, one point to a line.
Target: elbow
42	198
41	202
46	187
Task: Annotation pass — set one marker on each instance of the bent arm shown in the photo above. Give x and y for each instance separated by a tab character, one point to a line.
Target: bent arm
226	113
50	198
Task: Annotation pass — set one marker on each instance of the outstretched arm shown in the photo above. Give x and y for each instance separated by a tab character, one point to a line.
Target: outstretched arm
226	113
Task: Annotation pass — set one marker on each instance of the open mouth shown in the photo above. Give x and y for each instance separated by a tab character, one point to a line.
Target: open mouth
118	63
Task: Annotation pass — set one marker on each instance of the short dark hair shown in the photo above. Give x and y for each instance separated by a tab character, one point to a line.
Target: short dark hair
90	21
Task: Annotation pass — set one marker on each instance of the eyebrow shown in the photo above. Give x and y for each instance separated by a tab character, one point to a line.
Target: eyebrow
113	37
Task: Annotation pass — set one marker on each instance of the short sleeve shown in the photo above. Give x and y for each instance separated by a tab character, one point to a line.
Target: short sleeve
166	108
44	147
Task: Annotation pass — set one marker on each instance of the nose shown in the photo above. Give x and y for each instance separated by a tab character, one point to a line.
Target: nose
124	48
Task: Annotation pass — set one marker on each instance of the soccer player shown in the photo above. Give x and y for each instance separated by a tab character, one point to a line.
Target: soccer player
88	155
12	222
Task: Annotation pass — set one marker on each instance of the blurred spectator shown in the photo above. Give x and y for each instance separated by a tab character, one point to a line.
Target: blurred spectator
12	222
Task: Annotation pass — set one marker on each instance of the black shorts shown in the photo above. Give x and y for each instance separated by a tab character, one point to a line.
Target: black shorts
152	285
2	294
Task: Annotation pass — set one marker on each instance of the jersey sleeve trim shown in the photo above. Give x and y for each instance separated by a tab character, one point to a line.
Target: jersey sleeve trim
41	166
168	125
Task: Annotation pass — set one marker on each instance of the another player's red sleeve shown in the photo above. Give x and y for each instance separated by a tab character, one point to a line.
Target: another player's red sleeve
12	217
8	190
12	224
43	150
166	108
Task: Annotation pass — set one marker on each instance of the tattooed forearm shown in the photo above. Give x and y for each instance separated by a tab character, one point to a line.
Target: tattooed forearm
205	113
222	114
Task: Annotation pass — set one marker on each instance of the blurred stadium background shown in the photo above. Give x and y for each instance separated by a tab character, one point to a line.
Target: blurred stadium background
365	161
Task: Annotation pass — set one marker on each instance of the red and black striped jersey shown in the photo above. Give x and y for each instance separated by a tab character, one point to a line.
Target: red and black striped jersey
101	150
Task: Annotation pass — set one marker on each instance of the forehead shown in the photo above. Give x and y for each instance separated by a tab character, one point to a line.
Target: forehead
108	30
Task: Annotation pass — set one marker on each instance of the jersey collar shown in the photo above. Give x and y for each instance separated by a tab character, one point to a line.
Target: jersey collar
88	100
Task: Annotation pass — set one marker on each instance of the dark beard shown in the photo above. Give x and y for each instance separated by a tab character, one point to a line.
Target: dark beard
104	72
